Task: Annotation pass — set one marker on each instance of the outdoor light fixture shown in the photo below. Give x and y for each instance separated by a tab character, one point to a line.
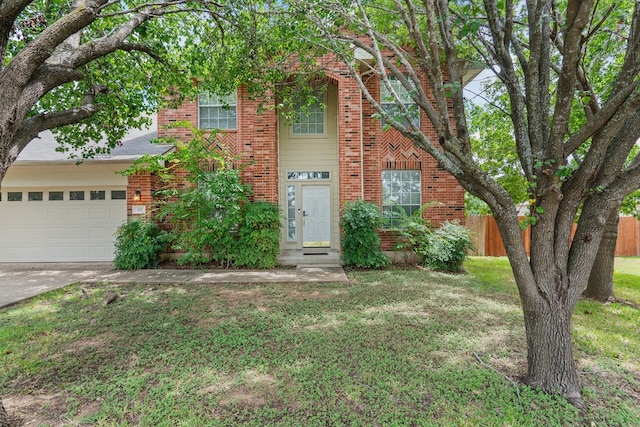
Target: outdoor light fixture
137	195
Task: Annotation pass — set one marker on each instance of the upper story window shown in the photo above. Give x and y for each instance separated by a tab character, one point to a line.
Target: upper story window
217	112
309	118
389	104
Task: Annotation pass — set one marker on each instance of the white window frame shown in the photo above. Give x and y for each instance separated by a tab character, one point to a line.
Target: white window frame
403	192
309	116
222	109
388	103
292	225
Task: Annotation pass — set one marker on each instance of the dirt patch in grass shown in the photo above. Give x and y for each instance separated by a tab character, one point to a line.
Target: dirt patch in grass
83	344
233	298
620	385
36	409
256	391
244	397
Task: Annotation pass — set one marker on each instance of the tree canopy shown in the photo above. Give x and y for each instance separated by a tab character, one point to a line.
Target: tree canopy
90	70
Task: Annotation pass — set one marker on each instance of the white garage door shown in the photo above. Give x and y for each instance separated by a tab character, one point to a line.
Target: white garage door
60	225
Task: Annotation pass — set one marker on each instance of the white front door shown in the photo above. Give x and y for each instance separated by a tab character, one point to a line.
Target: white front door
316	213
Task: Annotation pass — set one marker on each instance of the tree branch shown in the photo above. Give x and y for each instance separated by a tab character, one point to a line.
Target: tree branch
39	50
577	20
610	108
508	75
137	47
145	7
9	12
599	24
31	127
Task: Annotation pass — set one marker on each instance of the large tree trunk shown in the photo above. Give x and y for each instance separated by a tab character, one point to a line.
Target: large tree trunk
550	357
600	284
548	299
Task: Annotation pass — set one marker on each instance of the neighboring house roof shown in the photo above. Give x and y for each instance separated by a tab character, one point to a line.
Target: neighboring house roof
133	146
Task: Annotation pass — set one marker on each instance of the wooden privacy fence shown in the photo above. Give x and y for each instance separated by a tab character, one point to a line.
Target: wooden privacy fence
487	240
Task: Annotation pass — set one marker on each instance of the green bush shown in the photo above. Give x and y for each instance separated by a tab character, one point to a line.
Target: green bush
446	248
205	212
206	218
411	230
258	245
139	243
360	240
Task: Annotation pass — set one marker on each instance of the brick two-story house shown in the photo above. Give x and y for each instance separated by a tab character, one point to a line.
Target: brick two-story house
54	210
327	156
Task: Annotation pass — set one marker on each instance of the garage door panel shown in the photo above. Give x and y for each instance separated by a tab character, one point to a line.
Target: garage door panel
11	234
116	217
26	253
76	232
97	252
77	251
100	232
53	252
58	231
34	233
78	213
57	214
99	213
33	212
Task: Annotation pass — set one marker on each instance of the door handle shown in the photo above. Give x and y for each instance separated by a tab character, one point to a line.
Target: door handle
304	213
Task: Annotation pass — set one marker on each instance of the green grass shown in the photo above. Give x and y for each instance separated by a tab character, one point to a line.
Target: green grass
397	347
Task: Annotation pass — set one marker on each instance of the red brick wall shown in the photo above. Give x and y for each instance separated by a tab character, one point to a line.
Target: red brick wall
144	182
350	153
186	112
364	150
257	145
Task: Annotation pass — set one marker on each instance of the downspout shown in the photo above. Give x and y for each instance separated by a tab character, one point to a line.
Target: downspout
361	146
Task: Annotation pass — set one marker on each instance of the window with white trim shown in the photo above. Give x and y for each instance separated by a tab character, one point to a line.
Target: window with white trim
118	195
14	196
401	194
309	118
291	213
388	103
56	196
217	112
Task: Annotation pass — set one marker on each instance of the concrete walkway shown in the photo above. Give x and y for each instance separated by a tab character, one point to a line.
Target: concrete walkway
22	281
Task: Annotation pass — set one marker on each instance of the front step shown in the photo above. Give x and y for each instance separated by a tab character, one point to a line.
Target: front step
310	257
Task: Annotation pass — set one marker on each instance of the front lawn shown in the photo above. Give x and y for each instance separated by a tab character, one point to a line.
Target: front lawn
397	347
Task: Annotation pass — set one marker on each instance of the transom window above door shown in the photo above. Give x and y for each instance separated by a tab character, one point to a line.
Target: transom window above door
217	112
310	118
303	175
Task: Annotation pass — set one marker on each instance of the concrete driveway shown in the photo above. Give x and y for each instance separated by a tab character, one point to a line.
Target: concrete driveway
19	281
